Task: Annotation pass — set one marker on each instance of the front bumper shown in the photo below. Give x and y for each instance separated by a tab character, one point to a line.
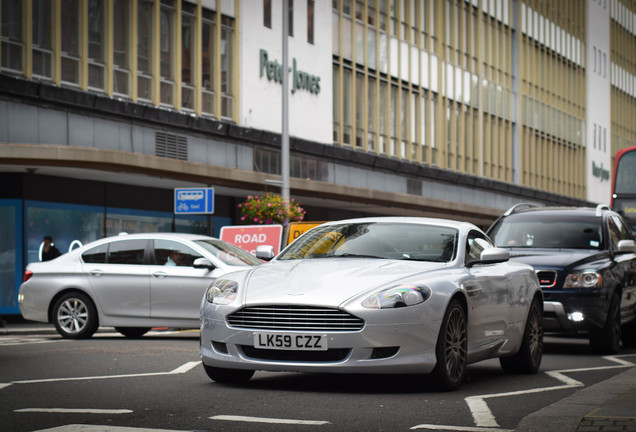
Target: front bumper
573	312
381	348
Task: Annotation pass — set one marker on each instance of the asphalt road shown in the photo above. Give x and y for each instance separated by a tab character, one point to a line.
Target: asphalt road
157	382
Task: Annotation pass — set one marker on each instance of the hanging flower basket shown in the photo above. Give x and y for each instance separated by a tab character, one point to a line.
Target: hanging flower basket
269	209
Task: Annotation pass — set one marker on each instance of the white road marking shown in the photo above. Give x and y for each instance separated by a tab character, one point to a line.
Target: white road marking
268	420
180	370
460	428
485	420
95	428
73	411
483	417
13	341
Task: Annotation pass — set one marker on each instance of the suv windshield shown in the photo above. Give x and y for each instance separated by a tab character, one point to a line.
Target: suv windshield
376	240
541	231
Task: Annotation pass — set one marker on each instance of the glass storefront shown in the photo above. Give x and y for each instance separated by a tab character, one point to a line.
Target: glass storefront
71	226
10	253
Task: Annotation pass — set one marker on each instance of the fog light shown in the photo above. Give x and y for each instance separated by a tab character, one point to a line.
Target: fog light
576	317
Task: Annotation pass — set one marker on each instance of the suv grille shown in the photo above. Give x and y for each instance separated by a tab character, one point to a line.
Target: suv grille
294	318
547	278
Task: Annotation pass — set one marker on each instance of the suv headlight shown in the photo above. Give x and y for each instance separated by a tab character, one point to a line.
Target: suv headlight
398	296
583	279
222	292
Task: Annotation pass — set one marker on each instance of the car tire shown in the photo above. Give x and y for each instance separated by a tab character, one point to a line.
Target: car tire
223	375
133	332
451	349
607	339
528	359
75	316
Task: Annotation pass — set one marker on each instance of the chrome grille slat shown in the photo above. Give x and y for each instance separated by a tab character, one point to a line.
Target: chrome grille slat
294	318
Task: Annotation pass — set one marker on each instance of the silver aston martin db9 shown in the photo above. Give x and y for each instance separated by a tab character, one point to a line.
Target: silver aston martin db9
376	295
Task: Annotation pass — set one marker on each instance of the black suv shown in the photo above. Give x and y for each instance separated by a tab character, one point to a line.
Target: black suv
585	259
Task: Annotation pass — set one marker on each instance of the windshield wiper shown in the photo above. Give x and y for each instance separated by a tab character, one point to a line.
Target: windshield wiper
348	255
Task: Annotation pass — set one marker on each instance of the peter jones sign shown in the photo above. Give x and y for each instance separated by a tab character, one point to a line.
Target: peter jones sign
273	70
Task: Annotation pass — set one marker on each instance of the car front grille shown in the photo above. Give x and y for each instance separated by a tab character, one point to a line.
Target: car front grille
294	318
547	278
328	356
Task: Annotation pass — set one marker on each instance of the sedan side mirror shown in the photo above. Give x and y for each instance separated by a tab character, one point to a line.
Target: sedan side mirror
494	255
203	263
626	246
265	252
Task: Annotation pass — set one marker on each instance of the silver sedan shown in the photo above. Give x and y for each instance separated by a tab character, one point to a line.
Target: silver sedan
130	282
376	295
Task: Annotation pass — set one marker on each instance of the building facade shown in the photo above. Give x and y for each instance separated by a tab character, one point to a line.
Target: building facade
452	108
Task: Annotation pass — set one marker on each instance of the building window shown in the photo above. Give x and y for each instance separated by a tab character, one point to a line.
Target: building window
267	13
207	62
121	47
96	45
42	25
70	41
310	21
290	16
227	67
144	49
167	52
188	49
12	35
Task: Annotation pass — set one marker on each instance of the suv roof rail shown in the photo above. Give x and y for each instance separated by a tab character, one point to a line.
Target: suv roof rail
518	207
600	208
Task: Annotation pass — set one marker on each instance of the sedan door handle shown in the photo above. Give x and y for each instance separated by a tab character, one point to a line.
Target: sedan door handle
96	272
159	274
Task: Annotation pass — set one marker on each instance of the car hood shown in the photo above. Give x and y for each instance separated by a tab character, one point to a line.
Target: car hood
551	258
328	281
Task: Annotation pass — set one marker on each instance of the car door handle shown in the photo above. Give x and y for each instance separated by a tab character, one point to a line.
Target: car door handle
96	272
159	274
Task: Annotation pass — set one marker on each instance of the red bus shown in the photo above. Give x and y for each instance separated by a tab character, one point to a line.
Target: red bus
624	185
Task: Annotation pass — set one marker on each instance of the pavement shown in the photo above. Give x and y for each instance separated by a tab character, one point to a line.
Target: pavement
606	406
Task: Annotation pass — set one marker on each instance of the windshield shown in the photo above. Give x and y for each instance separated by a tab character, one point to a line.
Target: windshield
228	253
376	240
532	231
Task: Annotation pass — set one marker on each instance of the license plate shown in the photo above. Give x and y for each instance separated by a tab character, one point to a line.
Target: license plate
279	341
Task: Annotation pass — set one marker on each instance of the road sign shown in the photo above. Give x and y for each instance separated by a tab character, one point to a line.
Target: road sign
295	229
194	200
248	237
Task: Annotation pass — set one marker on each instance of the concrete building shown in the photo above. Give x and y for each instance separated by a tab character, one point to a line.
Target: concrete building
449	108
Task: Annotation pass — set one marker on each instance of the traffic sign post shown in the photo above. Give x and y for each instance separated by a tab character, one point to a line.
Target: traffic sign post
194	200
249	237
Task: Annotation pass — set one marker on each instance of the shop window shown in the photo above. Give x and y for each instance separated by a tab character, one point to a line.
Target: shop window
10	255
310	21
267	13
207	61
227	67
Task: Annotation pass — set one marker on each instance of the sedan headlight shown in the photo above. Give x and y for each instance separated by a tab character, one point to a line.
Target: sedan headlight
222	292
583	279
398	296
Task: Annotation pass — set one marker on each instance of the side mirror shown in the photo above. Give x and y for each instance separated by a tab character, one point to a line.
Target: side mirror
203	263
626	246
265	252
494	255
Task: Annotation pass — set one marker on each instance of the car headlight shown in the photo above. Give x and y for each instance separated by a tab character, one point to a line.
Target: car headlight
398	296
222	292
583	279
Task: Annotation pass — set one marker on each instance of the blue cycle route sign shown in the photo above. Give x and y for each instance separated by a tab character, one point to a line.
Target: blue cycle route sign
194	201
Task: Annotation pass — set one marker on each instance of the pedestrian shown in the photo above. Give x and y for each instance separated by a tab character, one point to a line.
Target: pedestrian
49	251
